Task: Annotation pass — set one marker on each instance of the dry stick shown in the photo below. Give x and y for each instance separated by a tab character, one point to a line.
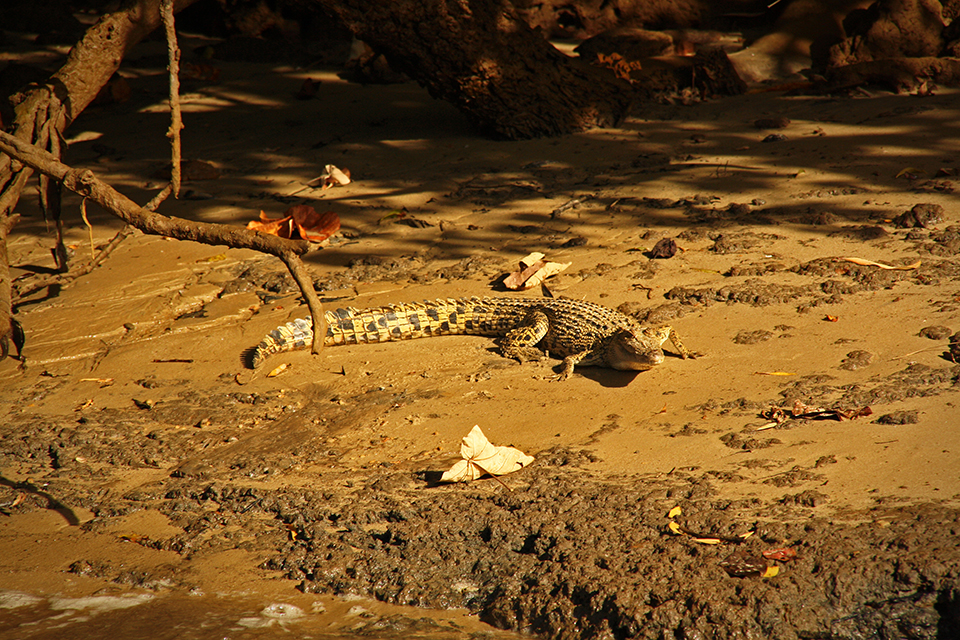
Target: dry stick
7	326
83	214
299	273
54	195
8	200
176	122
86	184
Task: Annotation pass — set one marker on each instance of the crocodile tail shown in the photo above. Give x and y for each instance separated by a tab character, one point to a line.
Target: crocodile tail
297	334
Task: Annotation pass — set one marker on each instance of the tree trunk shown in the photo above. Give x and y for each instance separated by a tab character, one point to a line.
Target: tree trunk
479	55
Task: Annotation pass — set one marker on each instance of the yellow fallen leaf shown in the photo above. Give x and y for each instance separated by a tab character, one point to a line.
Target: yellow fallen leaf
771	572
674	528
773	373
673	513
708	540
278	371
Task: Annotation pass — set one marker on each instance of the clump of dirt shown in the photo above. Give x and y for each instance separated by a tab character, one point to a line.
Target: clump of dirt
914	381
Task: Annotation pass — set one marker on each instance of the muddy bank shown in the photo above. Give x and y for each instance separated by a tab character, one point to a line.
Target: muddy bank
567	557
139	456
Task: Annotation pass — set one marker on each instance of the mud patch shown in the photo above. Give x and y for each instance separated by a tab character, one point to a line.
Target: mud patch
573	558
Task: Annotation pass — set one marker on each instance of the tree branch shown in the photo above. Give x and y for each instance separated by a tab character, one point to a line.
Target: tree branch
86	184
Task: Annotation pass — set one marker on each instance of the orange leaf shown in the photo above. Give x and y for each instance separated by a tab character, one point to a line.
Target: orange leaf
300	221
313	226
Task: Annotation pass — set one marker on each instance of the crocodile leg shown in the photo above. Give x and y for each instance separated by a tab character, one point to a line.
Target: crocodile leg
571	361
684	352
521	342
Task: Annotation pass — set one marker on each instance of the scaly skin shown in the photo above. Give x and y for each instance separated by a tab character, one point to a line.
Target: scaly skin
582	333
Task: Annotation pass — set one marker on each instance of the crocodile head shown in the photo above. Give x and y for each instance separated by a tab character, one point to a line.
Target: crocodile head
636	349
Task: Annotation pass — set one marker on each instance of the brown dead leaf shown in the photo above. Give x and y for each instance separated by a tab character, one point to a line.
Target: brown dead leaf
621	67
665	248
741	563
533	271
299	221
803	410
829	318
517	279
782	555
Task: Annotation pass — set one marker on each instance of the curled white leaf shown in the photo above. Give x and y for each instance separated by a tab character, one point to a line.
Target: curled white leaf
480	457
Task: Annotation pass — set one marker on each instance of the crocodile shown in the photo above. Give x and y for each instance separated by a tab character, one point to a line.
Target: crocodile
580	332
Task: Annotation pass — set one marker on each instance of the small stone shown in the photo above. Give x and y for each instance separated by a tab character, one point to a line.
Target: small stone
922	215
856	360
938	332
752	337
899	417
774	137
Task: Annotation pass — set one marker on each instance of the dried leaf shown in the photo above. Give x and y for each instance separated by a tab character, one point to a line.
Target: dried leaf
673	513
621	67
871	263
480	457
278	371
533	271
299	221
741	563
674	528
830	318
910	173
773	373
331	177
396	213
783	555
803	410
770	572
665	248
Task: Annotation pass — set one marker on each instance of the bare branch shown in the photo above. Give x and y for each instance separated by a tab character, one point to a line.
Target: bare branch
176	121
86	184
